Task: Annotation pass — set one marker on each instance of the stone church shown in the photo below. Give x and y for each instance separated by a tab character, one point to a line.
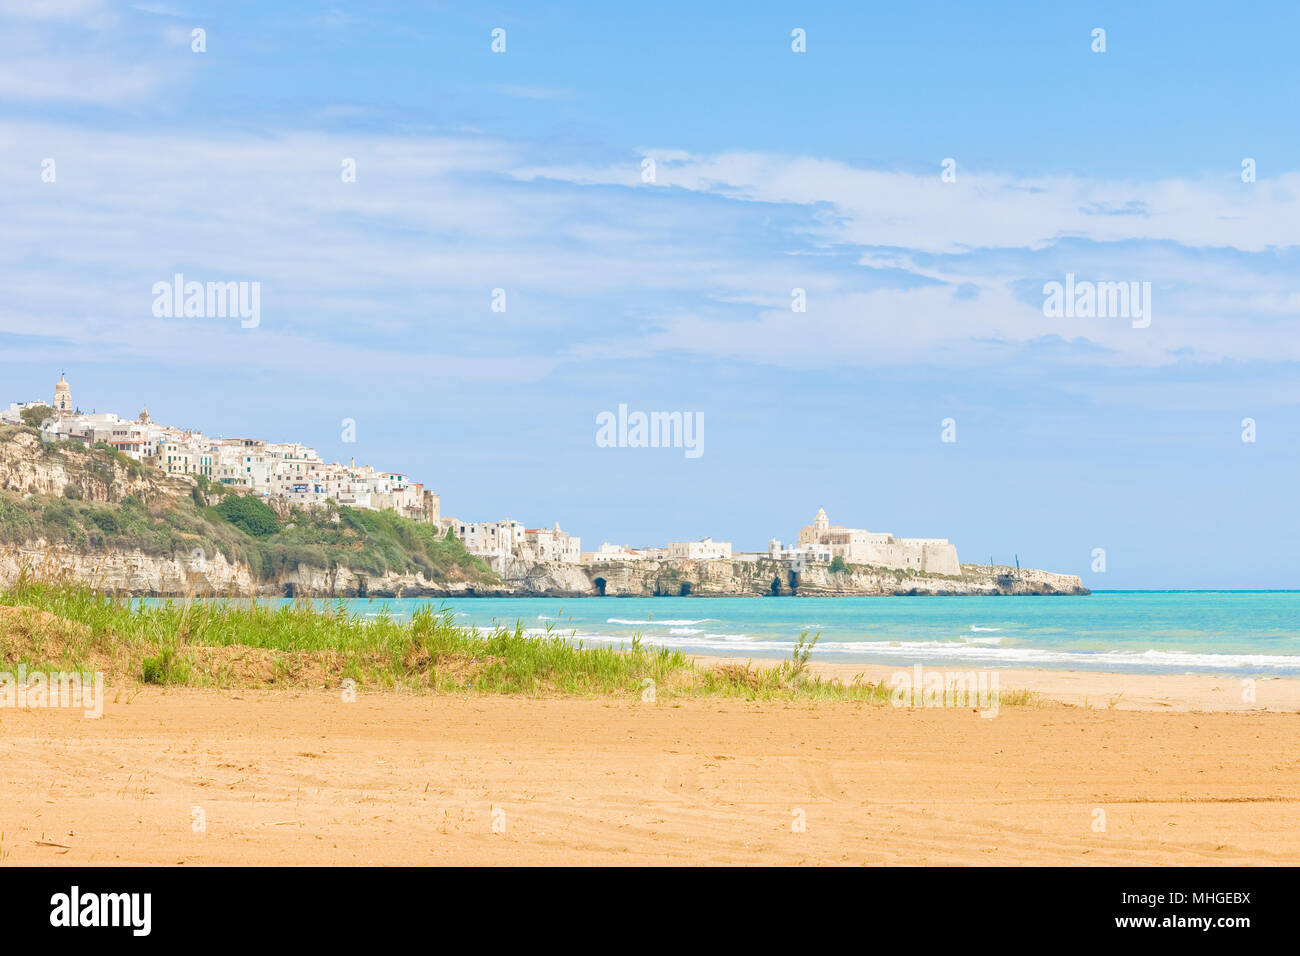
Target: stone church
881	549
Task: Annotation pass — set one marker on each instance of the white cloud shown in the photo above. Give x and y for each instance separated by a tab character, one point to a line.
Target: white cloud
157	9
47	56
533	92
979	210
401	263
76	79
91	13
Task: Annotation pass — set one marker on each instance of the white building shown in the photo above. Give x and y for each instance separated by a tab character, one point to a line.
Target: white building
799	554
880	549
490	539
551	545
612	552
705	550
13	415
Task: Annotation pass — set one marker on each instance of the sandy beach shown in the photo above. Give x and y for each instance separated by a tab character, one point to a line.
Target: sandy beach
1098	690
196	777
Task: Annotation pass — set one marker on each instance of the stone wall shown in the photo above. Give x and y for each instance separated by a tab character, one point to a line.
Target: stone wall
911	554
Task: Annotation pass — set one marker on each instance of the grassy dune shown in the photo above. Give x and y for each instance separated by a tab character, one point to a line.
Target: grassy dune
308	644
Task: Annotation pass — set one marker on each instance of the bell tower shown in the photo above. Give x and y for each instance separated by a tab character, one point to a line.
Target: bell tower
63	397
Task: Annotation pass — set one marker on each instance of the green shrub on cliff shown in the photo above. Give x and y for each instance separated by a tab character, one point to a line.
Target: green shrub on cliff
250	515
110	454
17	523
33	417
371	542
368	542
106	521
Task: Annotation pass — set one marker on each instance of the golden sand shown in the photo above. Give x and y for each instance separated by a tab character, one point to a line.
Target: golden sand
189	776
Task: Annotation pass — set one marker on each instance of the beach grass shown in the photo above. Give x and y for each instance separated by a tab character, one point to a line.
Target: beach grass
242	643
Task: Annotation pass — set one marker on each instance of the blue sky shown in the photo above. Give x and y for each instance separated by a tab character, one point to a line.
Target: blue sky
775	170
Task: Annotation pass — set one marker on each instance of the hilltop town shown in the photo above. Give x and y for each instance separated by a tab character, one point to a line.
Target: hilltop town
295	474
289	476
287	473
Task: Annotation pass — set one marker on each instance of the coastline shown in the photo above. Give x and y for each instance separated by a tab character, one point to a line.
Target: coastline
1097	690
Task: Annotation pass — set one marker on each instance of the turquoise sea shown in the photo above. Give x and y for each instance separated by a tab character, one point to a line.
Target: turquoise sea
1204	632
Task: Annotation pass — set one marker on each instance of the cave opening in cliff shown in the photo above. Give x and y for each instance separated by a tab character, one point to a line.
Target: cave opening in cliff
686	589
776	585
600	586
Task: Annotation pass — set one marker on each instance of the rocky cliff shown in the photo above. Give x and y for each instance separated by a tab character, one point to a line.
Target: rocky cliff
772	578
137	574
93	516
30	466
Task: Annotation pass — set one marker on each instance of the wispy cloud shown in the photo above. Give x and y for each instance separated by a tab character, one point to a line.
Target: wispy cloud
874	207
533	92
76	52
405	258
89	13
76	79
157	9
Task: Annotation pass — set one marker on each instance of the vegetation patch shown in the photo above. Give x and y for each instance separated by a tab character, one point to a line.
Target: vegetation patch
250	515
243	643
